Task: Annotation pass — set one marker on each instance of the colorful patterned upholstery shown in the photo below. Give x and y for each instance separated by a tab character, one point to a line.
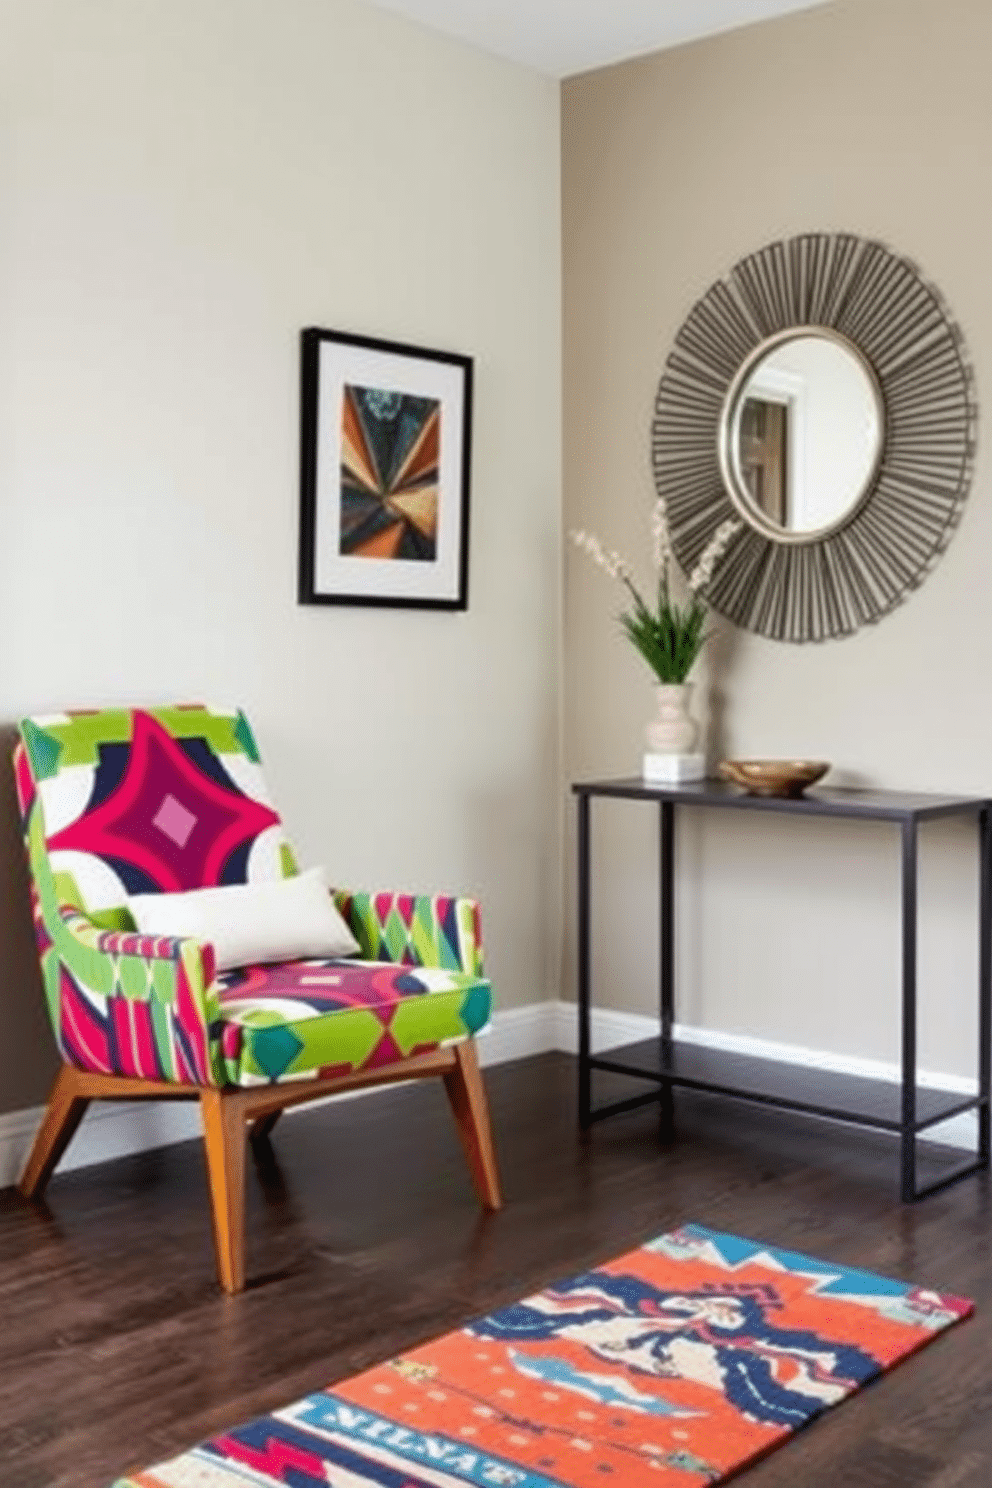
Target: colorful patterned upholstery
169	799
331	1017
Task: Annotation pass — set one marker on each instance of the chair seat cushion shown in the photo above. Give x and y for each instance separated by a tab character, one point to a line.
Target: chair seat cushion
295	1020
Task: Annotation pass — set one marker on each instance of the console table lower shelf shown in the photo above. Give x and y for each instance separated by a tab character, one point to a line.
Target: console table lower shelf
853	1099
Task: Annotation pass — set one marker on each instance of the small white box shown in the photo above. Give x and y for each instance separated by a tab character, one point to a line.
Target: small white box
673	769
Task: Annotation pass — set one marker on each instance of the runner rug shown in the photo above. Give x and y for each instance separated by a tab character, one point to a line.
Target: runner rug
674	1365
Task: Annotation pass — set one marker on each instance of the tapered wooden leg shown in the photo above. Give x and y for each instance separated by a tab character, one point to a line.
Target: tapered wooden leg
467	1095
261	1129
65	1110
224	1138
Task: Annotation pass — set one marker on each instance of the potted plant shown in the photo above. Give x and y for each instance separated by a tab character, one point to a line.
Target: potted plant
667	634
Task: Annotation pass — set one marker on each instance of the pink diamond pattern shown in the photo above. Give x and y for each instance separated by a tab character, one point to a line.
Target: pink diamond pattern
174	820
167	818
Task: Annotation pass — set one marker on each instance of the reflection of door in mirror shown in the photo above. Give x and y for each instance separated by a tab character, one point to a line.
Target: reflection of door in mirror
764	432
806	433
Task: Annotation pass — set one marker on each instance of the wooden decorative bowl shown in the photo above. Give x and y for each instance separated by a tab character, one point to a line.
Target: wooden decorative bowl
773	777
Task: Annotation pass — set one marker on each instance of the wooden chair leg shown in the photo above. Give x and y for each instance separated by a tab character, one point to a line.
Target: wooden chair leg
65	1110
224	1139
467	1095
261	1128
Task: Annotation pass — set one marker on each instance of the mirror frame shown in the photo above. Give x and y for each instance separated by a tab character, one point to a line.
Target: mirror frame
813	586
728	449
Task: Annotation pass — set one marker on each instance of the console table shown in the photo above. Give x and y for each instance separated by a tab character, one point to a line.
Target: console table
666	1062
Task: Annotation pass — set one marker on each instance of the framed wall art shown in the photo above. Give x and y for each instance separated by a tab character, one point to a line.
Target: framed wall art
384	489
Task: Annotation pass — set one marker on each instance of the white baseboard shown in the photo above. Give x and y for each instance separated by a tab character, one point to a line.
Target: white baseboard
107	1130
517	1032
116	1130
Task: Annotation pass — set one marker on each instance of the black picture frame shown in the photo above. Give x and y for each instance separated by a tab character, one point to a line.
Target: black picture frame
385	461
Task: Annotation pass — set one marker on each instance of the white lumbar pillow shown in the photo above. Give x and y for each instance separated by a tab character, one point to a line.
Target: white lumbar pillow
290	919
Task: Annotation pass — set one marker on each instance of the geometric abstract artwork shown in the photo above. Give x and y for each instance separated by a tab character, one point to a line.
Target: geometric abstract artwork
673	1366
390	457
384	473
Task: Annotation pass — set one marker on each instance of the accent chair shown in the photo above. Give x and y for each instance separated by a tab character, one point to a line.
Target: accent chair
121	803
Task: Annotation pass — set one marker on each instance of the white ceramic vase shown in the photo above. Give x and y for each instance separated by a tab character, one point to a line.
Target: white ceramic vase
672	730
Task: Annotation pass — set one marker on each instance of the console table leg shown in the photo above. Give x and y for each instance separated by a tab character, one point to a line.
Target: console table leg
910	875
583	954
984	985
666	958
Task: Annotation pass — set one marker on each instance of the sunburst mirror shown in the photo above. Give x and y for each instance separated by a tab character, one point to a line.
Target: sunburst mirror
820	394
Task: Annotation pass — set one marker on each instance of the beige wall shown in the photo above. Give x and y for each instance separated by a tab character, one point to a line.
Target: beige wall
872	116
184	184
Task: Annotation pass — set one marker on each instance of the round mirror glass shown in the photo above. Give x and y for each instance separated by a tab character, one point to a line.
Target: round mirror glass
801	435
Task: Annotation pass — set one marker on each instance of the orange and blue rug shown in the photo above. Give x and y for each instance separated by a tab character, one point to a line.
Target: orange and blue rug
672	1366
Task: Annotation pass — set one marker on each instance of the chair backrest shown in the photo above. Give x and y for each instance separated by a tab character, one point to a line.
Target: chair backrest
138	801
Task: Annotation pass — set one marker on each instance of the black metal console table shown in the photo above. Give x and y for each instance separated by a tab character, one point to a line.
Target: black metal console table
667	1062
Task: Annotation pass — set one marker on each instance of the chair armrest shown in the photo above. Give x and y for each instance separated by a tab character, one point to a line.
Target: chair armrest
118	1001
415	929
157	994
131	947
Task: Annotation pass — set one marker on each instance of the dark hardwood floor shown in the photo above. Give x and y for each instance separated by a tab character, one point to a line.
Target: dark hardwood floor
117	1348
